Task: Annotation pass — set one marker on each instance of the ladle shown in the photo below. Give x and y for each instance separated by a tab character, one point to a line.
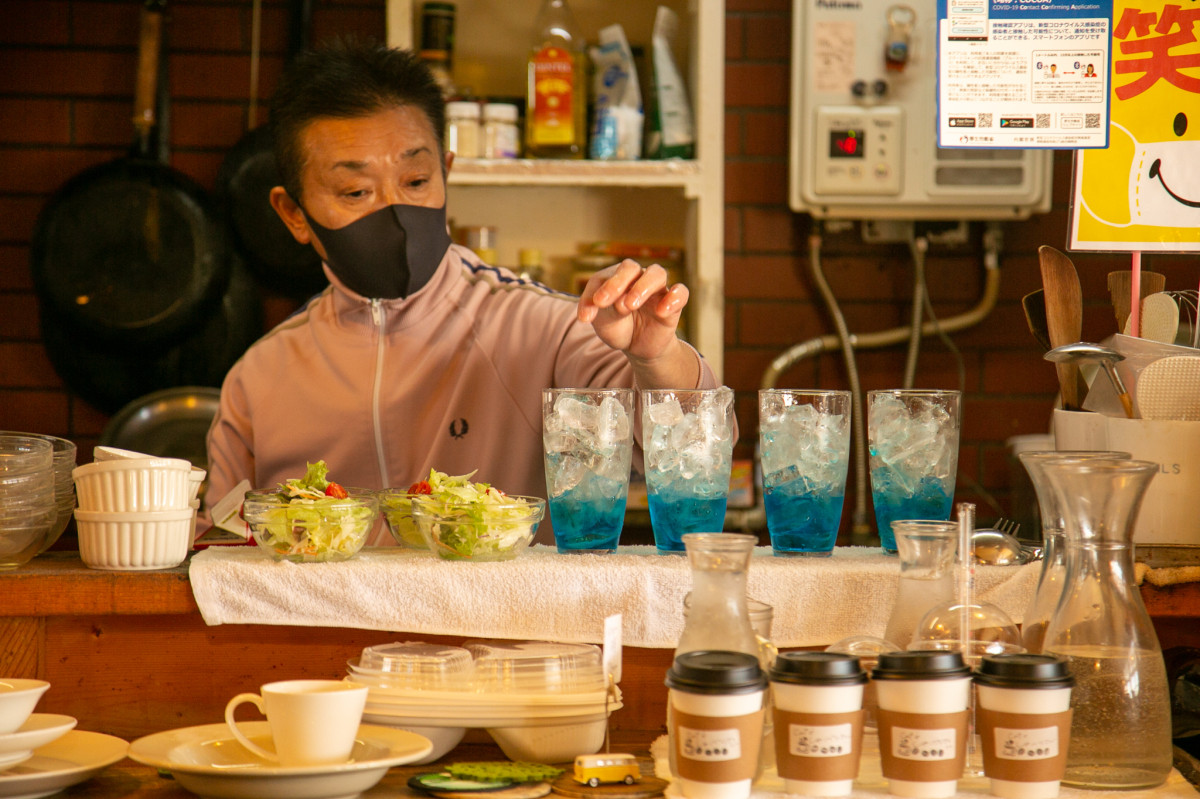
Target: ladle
997	548
1086	352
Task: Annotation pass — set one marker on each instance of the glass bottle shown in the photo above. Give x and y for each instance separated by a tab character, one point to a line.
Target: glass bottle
717	613
556	91
1121	728
1050	579
926	550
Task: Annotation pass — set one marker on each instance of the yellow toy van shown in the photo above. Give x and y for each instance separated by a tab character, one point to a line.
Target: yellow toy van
595	769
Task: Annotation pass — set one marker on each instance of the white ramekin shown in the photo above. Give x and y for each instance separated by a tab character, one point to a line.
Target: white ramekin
134	541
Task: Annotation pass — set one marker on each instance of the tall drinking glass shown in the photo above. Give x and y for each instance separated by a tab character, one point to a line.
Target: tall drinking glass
687	438
804	449
913	439
587	435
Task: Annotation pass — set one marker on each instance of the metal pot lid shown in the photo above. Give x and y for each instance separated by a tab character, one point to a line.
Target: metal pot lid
170	423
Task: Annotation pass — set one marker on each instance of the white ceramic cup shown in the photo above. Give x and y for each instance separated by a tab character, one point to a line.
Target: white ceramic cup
923	700
313	722
1025	723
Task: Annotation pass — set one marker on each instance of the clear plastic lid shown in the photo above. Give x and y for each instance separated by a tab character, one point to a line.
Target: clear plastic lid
536	666
416	664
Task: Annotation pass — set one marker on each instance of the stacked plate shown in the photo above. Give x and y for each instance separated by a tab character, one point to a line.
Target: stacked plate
22	730
135	511
540	701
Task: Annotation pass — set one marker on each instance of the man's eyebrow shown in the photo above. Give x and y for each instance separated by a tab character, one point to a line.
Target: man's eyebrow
358	166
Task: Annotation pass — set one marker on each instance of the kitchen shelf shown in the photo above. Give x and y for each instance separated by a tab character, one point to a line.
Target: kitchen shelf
559	206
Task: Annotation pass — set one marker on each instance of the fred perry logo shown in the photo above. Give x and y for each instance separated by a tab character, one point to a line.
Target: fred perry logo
459	428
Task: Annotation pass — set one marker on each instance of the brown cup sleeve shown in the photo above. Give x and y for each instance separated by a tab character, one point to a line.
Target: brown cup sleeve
922	747
824	747
717	748
1024	747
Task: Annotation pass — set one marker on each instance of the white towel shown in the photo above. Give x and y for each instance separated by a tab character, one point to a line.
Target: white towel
543	595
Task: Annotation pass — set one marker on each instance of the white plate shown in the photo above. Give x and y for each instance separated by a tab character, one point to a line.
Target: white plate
73	758
38	730
207	760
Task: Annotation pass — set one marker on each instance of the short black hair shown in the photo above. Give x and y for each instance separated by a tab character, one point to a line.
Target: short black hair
344	79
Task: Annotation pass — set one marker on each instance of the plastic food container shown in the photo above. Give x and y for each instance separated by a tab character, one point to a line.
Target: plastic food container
417	665
536	667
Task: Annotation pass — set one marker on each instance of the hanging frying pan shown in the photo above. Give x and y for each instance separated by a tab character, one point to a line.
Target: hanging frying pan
131	252
109	377
244	183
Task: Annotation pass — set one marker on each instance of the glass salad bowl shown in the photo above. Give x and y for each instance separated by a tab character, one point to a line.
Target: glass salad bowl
496	529
311	530
396	506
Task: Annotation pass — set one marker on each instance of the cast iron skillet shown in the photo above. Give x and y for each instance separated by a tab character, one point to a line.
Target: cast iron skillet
244	182
131	251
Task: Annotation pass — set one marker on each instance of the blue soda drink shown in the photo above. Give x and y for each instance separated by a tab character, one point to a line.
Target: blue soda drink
674	512
802	521
931	499
587	517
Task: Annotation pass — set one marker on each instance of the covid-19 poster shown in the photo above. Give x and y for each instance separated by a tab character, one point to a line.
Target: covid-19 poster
1142	192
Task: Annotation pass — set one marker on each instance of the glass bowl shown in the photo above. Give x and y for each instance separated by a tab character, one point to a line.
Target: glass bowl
472	531
990	631
396	506
311	531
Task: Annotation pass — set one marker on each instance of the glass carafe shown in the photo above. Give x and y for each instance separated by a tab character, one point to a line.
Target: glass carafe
1050	579
1121	728
926	550
717	614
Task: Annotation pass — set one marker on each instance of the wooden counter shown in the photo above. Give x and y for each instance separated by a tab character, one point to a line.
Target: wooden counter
127	653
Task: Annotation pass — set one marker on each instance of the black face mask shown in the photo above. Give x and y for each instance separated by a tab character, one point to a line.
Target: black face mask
389	253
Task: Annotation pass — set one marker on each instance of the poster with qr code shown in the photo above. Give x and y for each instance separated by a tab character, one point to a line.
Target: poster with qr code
1025	74
1142	192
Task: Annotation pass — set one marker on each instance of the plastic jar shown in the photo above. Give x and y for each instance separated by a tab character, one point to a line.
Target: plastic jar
462	129
500	135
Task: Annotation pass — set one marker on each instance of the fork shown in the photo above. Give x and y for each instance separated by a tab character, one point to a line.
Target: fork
1030	551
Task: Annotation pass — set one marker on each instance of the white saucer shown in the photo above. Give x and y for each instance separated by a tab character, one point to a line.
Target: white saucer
38	730
73	758
207	760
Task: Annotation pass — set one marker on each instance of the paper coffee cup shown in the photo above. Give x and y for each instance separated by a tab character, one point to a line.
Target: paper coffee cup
818	712
1024	721
923	699
716	713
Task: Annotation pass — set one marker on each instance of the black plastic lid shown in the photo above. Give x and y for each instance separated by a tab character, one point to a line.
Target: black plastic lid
1024	671
817	668
716	672
921	665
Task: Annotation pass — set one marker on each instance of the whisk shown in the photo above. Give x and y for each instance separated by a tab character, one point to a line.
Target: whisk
1189	305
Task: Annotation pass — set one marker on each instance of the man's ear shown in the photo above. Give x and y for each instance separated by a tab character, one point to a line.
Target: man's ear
449	162
291	214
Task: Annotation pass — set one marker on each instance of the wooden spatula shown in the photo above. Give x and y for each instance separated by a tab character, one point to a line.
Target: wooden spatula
1120	285
1064	318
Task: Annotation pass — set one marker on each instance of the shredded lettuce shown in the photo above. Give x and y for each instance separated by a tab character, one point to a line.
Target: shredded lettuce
313	526
470	520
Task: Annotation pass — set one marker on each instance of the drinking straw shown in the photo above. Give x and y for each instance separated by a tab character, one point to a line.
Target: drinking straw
966	574
1135	294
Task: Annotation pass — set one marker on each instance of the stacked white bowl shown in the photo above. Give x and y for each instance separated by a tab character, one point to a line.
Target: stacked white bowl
136	511
27	508
540	701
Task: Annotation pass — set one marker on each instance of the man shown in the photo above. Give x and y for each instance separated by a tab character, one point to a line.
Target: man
418	355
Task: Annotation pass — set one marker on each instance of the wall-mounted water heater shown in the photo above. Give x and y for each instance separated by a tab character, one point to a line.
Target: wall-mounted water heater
863	123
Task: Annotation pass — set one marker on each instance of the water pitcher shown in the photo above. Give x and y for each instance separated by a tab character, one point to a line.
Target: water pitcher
718	613
1050	579
1121	729
926	551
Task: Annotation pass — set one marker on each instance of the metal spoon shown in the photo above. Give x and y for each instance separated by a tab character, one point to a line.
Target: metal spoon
995	548
1086	352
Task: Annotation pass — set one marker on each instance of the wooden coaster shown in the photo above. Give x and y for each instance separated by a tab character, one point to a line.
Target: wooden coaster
643	788
520	790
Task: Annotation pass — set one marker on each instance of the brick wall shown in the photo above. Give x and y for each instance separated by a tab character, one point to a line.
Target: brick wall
66	70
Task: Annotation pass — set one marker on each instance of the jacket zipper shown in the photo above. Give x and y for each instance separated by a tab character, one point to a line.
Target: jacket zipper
377	316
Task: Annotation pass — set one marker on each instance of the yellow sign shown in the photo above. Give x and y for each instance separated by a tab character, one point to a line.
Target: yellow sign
1142	193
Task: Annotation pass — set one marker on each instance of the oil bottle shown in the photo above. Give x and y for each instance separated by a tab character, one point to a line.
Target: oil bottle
556	101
